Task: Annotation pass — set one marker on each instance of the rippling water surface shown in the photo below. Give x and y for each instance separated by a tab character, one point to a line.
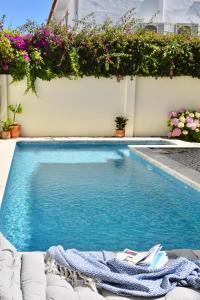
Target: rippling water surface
95	196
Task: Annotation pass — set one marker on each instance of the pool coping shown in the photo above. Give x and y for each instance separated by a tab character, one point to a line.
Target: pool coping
7	148
183	173
172	143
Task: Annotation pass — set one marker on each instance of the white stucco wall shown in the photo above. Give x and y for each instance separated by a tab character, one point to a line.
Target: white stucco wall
114	9
84	107
155	98
88	106
167	11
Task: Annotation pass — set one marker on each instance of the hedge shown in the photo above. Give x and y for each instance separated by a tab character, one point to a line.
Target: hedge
56	51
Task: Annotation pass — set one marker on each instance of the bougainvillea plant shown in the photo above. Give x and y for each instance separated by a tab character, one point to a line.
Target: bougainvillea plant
184	124
88	49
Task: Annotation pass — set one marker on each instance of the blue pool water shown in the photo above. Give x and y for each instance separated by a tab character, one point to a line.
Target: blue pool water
95	196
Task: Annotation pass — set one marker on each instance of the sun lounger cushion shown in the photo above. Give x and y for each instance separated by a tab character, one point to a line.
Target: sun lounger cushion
33	278
22	277
189	254
10	267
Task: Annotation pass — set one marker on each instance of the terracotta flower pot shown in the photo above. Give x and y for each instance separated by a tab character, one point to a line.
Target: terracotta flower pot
120	133
15	131
5	135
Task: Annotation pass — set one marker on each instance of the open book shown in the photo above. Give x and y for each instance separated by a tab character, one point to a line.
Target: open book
153	259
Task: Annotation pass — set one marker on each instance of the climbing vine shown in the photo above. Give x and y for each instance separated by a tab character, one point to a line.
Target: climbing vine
107	50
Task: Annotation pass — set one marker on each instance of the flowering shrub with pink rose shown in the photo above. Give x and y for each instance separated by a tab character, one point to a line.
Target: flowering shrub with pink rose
184	124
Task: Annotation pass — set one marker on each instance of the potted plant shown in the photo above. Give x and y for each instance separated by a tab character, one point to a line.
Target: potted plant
5	133
15	128
120	122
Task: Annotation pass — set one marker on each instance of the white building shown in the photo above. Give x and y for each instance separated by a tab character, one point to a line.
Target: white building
171	15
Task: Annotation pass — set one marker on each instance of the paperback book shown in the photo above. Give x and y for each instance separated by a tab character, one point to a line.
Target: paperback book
154	258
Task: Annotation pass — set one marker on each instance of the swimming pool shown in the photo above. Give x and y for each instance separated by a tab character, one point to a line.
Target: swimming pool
94	196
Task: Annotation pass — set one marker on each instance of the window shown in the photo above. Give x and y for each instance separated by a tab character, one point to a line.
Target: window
184	29
151	28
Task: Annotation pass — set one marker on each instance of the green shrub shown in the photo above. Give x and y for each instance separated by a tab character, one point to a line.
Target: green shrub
101	51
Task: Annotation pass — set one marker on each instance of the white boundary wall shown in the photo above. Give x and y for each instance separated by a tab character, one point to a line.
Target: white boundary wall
155	98
167	11
88	106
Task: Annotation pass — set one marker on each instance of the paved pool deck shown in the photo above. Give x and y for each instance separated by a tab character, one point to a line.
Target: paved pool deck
7	148
183	172
187	157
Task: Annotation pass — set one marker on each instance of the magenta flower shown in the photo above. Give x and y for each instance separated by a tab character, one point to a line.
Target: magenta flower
176	132
57	41
26	57
5	67
46	32
28	38
17	42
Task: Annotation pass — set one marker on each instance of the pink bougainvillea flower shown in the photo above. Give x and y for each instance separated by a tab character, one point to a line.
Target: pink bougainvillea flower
174	122
18	42
57	41
28	36
26	57
5	67
46	32
176	132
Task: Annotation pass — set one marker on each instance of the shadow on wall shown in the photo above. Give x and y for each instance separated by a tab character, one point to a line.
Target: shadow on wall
194	10
149	8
